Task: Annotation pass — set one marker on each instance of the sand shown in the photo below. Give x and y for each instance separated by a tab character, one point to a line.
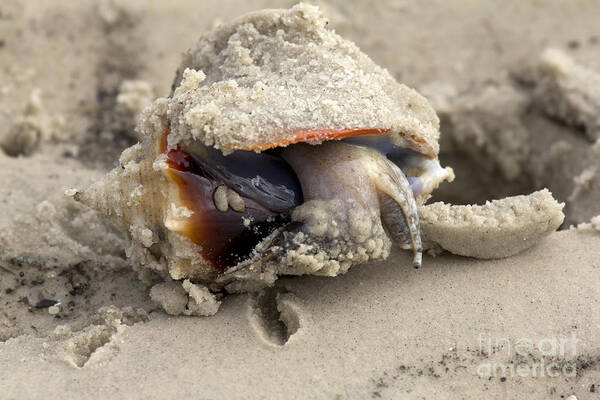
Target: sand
381	331
509	85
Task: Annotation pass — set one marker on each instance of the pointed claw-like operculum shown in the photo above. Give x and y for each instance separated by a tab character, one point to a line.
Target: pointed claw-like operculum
398	209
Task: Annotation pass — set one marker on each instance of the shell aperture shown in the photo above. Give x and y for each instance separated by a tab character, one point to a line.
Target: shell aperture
271	185
267	186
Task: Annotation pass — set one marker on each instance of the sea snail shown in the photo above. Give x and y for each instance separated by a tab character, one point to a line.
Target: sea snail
282	149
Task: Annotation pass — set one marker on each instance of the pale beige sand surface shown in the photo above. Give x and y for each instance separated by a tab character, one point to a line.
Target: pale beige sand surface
381	331
515	118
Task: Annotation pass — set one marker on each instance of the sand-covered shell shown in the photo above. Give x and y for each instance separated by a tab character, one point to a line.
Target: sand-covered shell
271	77
267	80
282	149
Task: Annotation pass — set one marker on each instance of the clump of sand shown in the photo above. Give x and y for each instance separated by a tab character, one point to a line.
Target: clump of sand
133	97
592	226
184	299
569	91
499	228
33	127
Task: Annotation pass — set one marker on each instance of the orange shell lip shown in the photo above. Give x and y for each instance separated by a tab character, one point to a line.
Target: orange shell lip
315	135
414	142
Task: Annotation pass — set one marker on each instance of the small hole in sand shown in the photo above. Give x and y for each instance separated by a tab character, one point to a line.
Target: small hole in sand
272	317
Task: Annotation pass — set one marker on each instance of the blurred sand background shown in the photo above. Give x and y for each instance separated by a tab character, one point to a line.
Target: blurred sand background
76	322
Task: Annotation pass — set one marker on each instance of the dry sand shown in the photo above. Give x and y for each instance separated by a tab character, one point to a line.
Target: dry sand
75	320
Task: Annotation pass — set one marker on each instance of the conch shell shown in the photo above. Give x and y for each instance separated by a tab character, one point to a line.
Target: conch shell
283	149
